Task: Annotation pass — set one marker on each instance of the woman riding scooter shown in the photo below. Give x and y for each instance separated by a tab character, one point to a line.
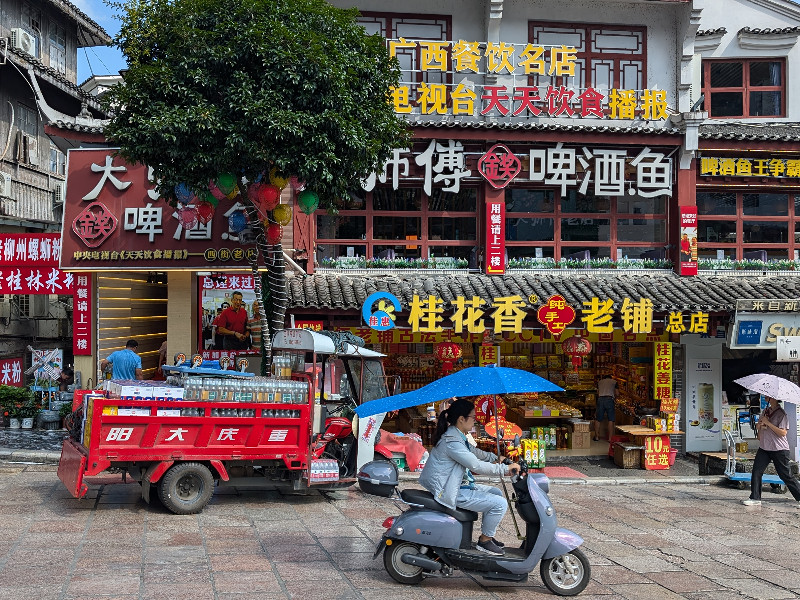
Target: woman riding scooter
448	474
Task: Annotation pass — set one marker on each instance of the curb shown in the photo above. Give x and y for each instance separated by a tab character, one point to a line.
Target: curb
30	456
679	479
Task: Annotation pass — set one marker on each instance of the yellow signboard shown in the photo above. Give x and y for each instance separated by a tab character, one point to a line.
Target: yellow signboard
662	371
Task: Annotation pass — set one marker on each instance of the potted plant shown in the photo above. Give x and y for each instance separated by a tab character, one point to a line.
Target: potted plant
26	408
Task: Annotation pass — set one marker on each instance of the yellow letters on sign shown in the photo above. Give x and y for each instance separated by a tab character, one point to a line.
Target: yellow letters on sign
597	316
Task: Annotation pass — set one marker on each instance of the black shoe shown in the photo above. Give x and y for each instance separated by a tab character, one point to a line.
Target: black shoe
489	547
498	543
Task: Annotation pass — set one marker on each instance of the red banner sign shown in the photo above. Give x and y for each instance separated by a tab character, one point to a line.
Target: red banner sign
656	452
30	249
312	325
82	315
688	244
495	237
114	219
26	280
11	372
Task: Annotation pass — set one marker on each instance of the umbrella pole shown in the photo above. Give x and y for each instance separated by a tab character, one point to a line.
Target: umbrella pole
502	478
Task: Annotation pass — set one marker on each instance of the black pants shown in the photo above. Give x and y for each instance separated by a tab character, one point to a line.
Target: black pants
780	458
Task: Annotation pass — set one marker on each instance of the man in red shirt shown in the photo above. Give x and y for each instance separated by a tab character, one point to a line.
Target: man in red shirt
232	325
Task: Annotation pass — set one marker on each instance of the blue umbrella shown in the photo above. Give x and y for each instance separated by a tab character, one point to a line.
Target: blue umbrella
474	381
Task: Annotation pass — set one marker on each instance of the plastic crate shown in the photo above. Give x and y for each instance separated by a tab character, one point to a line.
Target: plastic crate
627	456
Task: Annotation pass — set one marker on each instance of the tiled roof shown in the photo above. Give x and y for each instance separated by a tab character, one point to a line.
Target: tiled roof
779	132
767	31
100	36
708	32
93	129
583	126
668	291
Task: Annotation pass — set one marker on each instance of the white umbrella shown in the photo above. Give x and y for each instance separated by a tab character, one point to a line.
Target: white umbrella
772	386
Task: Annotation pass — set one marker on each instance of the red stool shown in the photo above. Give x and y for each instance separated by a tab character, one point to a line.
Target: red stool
613	440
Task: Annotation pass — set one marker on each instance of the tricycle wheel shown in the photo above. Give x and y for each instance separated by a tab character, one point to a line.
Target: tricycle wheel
400	571
566	575
778	488
186	488
740	485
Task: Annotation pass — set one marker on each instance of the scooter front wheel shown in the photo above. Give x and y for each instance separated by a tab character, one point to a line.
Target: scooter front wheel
566	575
400	571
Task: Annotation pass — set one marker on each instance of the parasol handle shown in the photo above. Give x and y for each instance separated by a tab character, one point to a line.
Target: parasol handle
496	425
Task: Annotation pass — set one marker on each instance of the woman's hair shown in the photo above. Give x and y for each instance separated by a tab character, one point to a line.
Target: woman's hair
459	408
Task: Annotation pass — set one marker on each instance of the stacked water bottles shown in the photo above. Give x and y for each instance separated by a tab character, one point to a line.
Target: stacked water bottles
324	469
258	389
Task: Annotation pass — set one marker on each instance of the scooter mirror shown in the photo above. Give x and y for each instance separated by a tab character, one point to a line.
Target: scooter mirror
516	441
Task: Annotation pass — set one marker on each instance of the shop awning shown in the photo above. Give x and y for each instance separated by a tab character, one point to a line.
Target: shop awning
668	291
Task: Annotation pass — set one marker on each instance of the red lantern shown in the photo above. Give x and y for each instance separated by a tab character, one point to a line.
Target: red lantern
205	211
448	353
576	348
264	196
274	233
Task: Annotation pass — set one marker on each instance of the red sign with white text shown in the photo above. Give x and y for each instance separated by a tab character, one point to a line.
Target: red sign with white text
115	219
30	249
688	243
11	372
495	237
82	315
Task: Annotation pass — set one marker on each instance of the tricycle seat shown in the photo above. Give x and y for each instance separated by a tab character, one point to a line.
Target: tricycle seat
426	499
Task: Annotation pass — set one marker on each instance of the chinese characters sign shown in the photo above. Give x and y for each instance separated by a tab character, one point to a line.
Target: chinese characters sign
526	336
11	372
749	167
488	355
114	219
767	306
662	371
30	249
495	237
600	171
688	244
556	314
82	315
520	99
656	452
216	297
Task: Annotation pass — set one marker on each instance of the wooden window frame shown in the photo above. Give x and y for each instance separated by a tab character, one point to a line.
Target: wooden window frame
745	89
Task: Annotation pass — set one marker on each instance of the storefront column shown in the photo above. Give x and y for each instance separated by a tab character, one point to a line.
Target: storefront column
687	196
181	314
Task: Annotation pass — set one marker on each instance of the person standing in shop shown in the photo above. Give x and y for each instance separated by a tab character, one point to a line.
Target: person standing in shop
606	392
232	325
772	447
125	364
254	325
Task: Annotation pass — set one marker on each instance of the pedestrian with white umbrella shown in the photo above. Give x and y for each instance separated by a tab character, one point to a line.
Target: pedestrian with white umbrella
771	430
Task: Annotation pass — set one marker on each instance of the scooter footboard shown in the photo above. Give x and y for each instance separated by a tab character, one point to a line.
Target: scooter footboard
564	540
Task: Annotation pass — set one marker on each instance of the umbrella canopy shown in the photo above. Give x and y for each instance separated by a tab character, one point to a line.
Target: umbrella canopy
474	381
772	386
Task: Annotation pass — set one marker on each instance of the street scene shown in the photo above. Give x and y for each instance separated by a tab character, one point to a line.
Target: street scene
644	541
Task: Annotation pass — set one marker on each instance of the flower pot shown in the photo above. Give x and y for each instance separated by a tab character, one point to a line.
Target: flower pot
27	423
13	423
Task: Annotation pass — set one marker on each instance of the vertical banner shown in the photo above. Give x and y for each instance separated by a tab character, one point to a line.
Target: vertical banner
688	242
662	371
82	315
703	405
495	237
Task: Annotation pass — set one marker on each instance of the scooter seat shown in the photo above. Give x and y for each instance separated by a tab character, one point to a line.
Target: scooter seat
426	499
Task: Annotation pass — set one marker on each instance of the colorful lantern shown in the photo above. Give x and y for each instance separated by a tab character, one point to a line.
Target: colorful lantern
237	221
277	179
211	198
448	353
188	217
215	191
264	196
226	183
274	233
308	201
205	211
576	348
283	214
183	194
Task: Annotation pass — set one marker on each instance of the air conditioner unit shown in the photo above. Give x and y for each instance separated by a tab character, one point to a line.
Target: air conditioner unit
59	193
22	40
5	185
38	306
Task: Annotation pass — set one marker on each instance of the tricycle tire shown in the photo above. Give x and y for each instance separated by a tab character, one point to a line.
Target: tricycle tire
186	488
740	485
400	571
566	575
778	488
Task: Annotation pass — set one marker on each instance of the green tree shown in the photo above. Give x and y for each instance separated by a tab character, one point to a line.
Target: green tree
246	86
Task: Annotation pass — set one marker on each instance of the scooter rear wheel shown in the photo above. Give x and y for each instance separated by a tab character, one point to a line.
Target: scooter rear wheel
400	571
566	575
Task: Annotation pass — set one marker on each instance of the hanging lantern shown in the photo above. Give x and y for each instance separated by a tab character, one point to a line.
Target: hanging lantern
183	194
210	198
283	214
264	196
215	191
576	348
188	217
277	179
308	201
237	221
274	233
205	211
226	183
447	353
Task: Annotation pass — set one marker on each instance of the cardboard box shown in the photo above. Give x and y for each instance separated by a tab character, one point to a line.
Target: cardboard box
168	412
581	426
580	440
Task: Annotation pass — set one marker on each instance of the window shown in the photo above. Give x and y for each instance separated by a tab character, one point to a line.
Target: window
32	23
739	225
402	223
544	223
744	88
608	57
58	48
58	161
28	121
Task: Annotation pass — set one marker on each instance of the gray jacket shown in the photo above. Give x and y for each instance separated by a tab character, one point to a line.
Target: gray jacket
448	460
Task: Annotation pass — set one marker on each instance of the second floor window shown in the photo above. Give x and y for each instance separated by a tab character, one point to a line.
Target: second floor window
58	161
27	121
744	88
58	48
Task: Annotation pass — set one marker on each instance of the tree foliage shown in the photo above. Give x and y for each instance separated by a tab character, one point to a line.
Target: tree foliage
240	86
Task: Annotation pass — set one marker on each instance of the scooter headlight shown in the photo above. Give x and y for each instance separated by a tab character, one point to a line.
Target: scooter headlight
549	511
399	530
